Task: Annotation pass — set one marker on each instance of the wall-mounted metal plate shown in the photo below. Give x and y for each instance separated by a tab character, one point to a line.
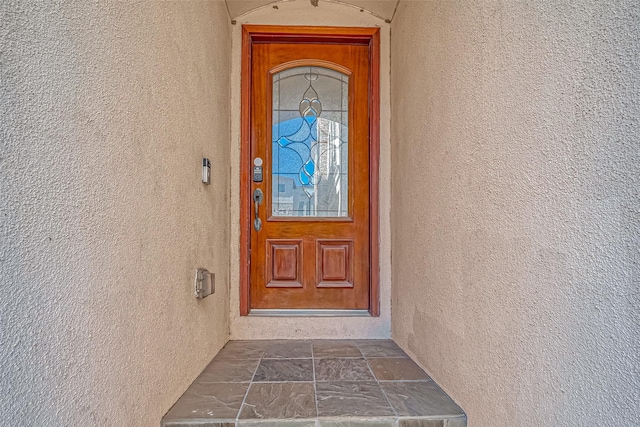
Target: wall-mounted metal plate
204	283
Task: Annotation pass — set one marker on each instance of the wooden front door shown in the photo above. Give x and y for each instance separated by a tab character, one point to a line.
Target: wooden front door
309	187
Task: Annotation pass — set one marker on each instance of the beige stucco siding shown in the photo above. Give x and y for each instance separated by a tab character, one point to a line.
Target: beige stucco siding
509	195
106	110
301	12
515	206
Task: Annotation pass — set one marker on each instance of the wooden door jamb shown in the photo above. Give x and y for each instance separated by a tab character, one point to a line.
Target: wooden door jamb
336	35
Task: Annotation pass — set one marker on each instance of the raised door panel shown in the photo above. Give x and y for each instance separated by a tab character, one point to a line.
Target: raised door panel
334	264
284	263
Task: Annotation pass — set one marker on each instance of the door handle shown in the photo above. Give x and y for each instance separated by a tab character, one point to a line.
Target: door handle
258	196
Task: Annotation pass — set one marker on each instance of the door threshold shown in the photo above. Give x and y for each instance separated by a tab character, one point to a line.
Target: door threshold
268	312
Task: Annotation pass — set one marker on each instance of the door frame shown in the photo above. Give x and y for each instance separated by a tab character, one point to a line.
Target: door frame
369	36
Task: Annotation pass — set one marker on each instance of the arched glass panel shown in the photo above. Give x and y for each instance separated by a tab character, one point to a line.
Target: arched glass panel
309	149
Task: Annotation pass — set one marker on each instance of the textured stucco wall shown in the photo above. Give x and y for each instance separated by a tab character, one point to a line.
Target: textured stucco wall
516	206
301	12
106	109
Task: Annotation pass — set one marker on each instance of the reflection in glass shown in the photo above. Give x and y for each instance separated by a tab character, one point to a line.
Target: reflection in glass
309	150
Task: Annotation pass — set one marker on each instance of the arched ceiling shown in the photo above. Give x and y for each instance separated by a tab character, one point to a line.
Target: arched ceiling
383	9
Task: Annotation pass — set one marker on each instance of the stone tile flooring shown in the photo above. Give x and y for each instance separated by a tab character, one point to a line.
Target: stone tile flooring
320	383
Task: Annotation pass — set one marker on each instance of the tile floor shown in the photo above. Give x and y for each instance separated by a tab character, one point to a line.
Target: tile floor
342	383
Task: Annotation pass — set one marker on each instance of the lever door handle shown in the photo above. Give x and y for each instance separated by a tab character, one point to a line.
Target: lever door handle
258	196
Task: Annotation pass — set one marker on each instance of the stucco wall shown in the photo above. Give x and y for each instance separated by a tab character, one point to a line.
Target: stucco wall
107	109
301	12
516	212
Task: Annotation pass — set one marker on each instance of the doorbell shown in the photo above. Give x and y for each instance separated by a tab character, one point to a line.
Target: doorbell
206	171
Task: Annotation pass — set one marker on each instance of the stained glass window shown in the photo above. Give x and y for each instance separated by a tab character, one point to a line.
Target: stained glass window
309	149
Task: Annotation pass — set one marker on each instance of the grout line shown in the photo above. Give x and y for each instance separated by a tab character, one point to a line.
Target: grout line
382	390
286	358
339	357
315	388
387	357
247	392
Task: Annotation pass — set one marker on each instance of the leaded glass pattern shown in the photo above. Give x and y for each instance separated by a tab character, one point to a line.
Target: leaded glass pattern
309	150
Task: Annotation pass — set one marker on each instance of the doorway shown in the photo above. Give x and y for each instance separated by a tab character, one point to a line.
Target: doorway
309	170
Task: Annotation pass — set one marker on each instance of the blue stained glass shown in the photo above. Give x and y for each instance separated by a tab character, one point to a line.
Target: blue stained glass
309	163
304	178
292	130
285	161
309	167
